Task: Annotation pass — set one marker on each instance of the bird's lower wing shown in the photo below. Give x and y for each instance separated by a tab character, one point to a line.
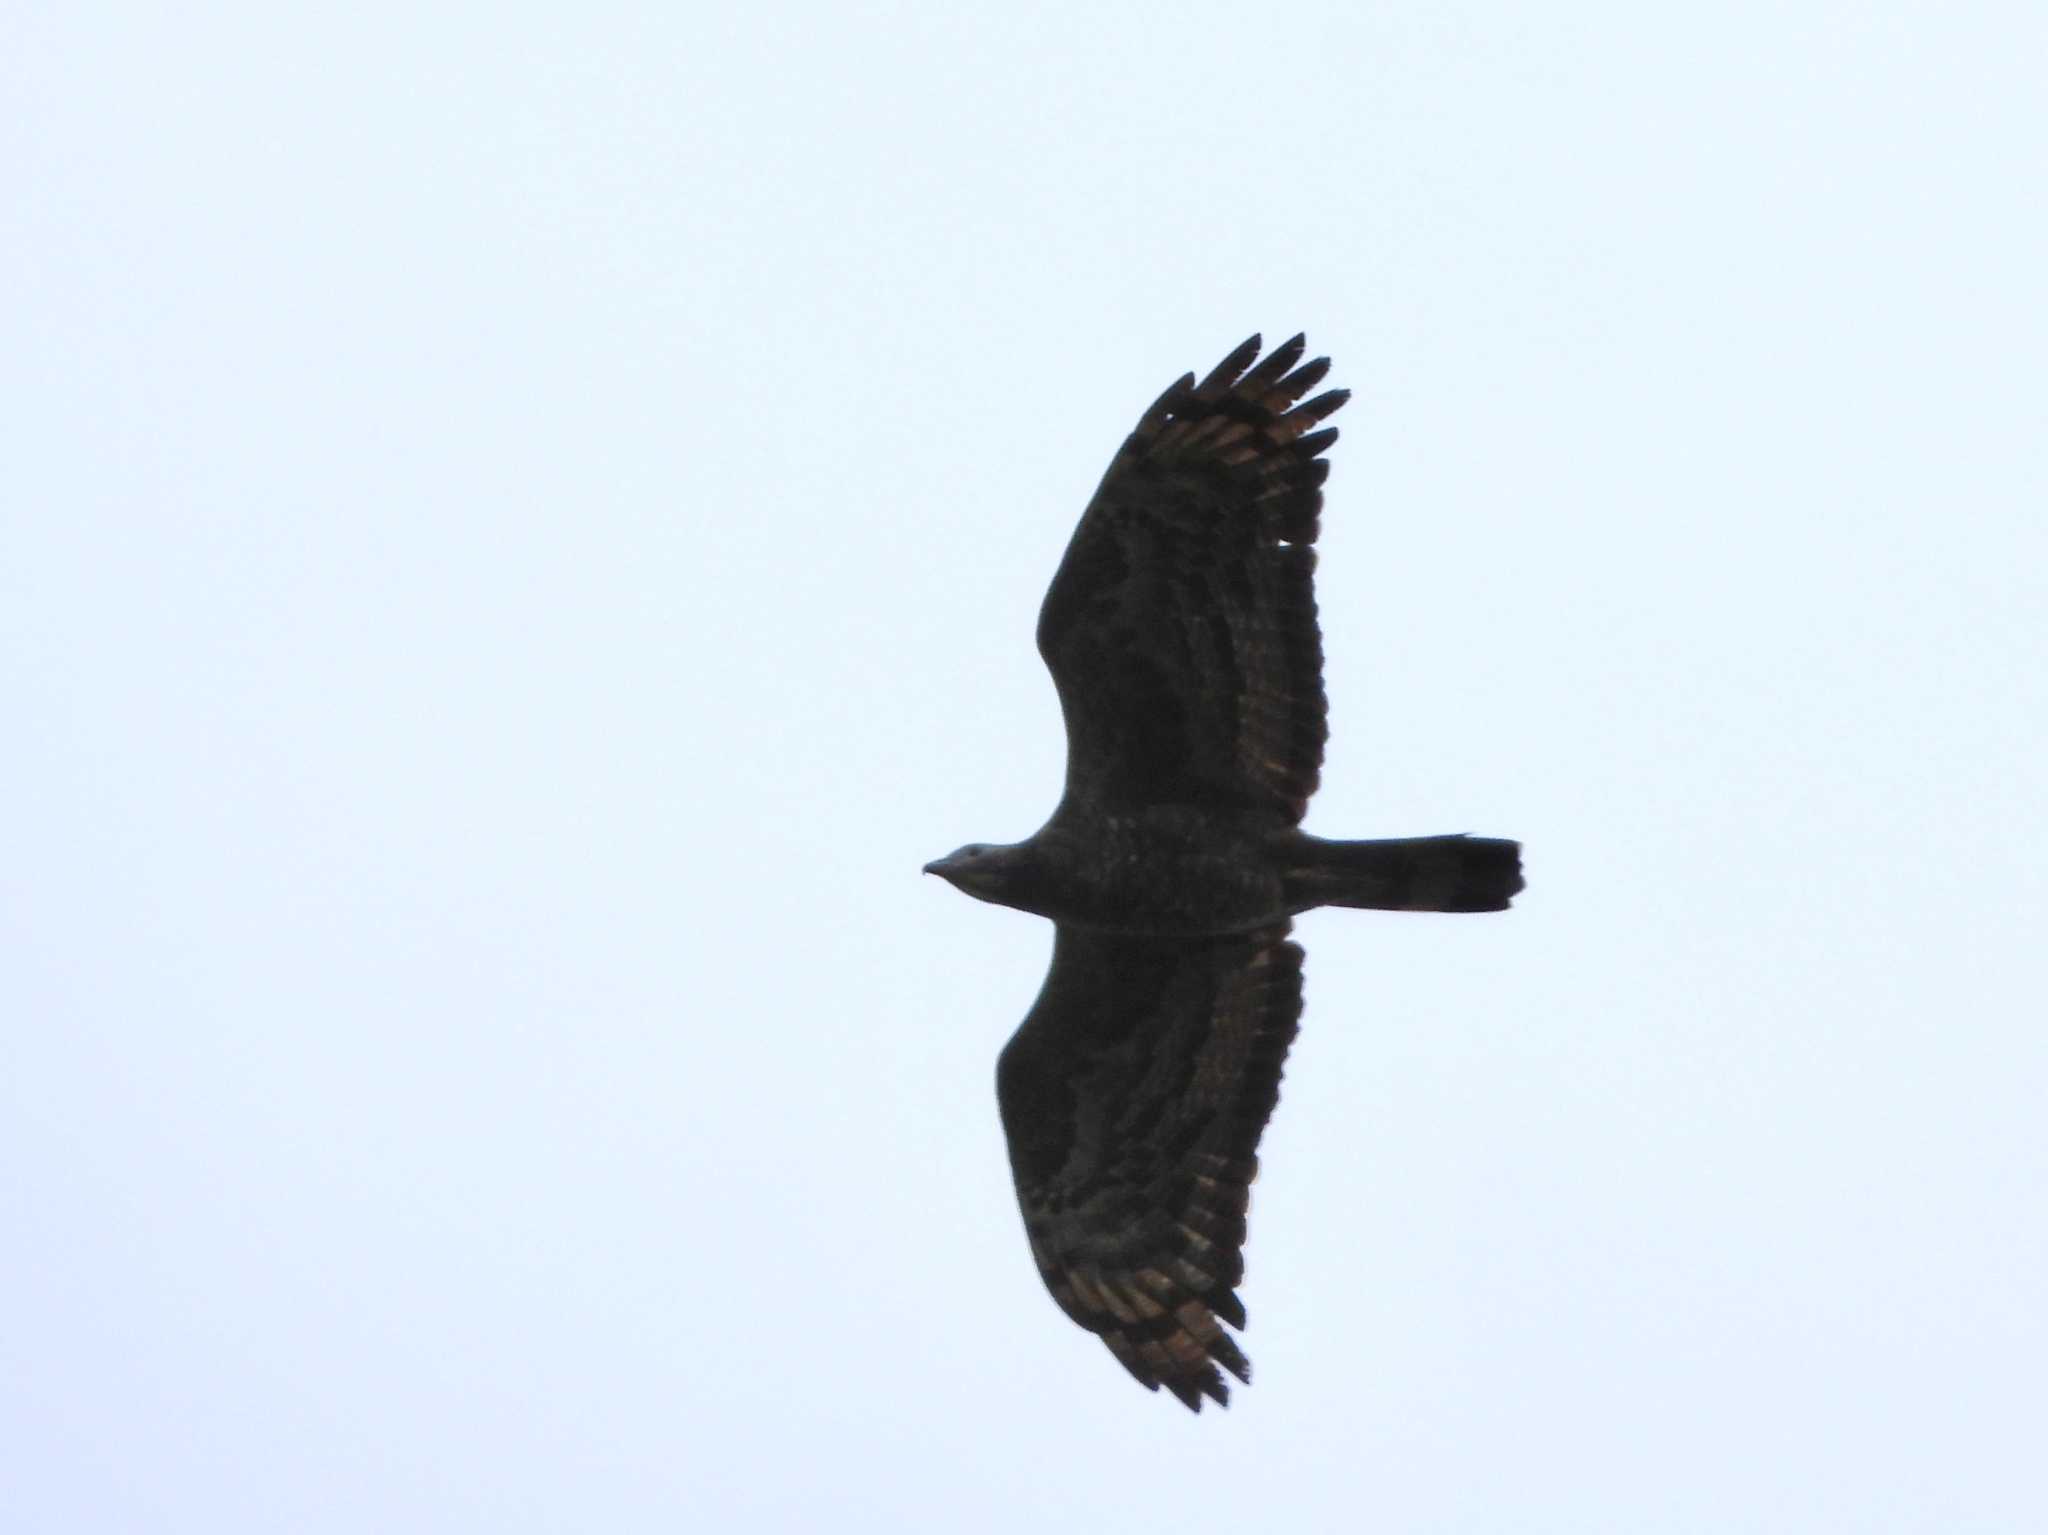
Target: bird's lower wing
1133	1098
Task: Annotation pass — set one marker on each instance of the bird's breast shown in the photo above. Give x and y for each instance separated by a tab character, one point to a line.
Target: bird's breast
1173	872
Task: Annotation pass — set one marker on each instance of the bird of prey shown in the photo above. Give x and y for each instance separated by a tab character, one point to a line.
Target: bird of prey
1181	634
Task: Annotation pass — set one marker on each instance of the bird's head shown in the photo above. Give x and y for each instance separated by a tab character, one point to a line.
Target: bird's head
986	872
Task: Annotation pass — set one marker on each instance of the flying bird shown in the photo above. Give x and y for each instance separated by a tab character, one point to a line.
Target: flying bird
1180	630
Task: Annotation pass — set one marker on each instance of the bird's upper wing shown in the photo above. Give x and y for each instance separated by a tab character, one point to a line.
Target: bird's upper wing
1133	1097
1181	625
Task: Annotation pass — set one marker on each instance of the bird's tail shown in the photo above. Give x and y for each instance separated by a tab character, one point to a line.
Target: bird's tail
1408	874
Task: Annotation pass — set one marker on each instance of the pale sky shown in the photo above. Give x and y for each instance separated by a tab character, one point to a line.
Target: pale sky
523	533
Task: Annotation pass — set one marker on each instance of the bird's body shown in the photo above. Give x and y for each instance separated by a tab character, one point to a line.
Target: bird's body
1176	871
1181	632
1152	870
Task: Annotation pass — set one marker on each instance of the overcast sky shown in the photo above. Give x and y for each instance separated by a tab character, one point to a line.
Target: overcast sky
521	534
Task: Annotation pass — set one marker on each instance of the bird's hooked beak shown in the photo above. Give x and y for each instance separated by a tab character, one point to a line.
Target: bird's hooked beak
969	868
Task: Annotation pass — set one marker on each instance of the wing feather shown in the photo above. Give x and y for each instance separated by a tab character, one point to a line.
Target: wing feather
1181	628
1133	1098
